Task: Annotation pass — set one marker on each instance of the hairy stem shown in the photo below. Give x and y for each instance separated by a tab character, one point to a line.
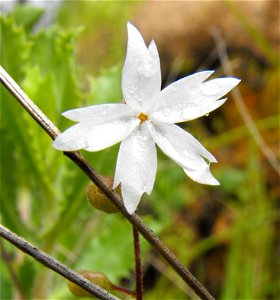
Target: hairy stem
80	161
138	270
54	265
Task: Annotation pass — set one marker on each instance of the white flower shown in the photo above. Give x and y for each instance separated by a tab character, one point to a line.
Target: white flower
146	118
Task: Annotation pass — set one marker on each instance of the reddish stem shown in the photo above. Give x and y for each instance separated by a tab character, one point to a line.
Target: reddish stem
123	290
138	271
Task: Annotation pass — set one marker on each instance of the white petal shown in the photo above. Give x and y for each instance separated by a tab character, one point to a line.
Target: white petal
92	137
136	167
141	77
190	97
185	150
98	114
71	140
131	198
202	175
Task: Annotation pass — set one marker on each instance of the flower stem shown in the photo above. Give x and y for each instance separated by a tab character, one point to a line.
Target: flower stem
123	290
138	271
54	264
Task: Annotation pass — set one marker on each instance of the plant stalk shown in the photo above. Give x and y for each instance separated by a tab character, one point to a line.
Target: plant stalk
54	265
138	269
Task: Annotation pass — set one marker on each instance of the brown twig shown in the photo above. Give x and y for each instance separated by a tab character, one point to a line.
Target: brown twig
138	270
80	161
54	265
123	290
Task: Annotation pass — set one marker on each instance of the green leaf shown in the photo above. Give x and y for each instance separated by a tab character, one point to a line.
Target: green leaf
54	53
15	48
106	87
110	249
6	286
8	182
27	273
26	16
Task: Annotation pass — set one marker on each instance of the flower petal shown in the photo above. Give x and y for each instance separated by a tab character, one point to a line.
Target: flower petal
190	97
95	137
98	114
141	77
136	167
202	175
185	150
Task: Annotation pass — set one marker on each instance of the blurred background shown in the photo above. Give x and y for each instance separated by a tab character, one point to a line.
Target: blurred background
68	54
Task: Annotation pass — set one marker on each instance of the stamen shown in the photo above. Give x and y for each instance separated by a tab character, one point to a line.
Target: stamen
142	117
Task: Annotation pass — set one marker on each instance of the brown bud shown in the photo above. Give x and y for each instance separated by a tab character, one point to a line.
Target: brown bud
97	278
98	199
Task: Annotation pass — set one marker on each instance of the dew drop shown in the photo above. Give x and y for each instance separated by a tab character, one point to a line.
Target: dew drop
104	113
207	115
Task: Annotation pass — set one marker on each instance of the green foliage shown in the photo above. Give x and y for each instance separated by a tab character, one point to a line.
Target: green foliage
26	16
253	225
106	87
102	44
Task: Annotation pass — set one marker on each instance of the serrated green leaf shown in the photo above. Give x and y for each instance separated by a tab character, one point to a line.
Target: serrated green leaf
15	48
26	16
8	183
53	52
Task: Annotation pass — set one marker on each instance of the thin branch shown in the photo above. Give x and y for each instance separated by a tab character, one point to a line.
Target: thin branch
54	265
80	161
15	280
138	270
241	106
123	290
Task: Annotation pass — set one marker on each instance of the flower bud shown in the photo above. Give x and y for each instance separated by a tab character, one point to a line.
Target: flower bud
98	199
97	278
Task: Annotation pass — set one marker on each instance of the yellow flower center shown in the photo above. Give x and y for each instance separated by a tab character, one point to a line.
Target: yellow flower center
142	117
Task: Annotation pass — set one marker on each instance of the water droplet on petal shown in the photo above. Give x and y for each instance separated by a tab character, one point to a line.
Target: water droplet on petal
104	113
207	115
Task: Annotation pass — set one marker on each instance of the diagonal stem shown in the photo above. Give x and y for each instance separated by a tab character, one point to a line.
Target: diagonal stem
138	270
54	265
80	161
